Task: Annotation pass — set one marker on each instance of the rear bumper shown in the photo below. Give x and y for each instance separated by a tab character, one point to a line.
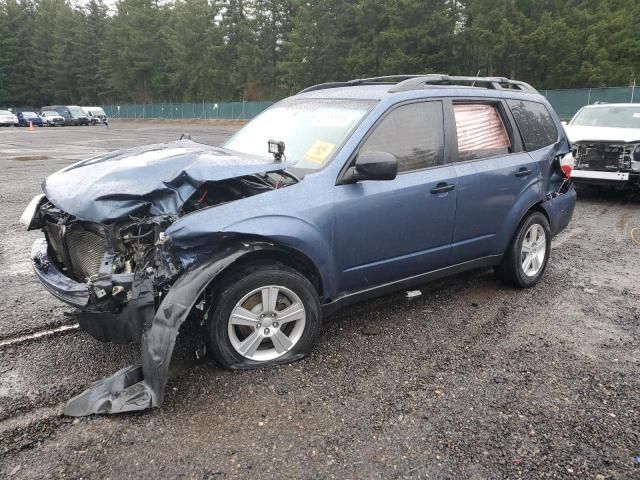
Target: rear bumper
560	210
59	285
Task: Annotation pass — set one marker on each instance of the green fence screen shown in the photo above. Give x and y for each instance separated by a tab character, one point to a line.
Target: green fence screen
566	103
199	110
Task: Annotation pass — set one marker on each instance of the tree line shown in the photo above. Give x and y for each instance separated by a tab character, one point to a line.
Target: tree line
57	51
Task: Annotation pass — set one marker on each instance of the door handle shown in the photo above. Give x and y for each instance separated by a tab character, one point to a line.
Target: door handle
523	172
442	187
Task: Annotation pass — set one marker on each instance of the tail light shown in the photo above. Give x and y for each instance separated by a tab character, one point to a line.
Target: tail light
566	164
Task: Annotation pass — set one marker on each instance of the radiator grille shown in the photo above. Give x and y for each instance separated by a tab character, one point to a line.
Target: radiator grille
603	156
86	250
83	253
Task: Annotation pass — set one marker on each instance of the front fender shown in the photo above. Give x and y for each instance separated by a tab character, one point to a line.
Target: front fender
288	231
141	387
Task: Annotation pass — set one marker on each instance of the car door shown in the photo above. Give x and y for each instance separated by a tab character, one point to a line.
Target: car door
389	230
492	169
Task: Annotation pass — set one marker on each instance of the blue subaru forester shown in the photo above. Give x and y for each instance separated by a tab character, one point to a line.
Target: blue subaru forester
341	193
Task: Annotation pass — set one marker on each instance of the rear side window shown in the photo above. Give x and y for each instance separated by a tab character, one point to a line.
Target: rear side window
535	124
481	131
414	133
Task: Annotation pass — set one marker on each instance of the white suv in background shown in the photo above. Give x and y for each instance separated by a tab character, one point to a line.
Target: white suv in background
606	144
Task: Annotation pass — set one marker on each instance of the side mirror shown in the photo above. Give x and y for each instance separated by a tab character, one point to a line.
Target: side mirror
372	165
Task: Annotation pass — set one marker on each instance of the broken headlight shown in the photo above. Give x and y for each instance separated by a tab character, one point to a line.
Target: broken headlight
635	159
28	217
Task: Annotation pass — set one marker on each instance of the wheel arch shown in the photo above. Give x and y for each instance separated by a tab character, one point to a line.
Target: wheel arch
536	207
270	251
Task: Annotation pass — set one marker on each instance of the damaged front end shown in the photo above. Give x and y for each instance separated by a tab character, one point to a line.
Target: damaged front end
114	270
126	278
600	162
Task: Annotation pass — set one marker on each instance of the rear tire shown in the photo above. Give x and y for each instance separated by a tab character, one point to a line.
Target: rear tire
527	257
262	315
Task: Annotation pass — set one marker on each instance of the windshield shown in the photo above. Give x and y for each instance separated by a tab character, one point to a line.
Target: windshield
311	129
29	114
5	112
49	113
76	111
613	116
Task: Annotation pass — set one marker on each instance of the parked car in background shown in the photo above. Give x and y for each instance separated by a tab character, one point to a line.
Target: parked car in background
606	144
62	111
52	118
96	114
7	118
72	114
80	118
26	118
343	192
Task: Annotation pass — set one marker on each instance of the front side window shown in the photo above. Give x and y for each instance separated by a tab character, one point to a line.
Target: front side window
312	130
414	133
536	126
481	131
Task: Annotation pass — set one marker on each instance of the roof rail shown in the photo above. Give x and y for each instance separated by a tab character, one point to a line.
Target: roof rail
403	83
497	83
387	79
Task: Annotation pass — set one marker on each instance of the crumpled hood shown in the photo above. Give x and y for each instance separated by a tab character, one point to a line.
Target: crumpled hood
151	180
579	133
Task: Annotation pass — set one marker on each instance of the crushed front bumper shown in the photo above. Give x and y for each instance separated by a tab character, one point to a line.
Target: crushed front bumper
600	177
62	287
111	322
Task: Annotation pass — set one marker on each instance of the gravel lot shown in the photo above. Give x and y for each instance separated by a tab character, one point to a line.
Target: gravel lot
470	380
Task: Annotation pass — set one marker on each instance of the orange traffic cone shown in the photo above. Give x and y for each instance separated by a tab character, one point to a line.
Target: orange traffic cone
30	125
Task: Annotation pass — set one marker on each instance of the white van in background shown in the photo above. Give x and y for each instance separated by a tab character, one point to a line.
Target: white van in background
96	114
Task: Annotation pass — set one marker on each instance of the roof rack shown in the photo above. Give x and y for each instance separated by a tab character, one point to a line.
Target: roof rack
388	80
404	83
496	83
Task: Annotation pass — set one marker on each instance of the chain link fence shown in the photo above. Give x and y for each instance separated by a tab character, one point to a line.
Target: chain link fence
565	101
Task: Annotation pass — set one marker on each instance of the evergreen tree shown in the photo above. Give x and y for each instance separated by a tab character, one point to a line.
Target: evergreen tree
54	51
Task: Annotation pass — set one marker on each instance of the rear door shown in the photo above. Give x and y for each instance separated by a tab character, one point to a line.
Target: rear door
492	169
541	138
389	230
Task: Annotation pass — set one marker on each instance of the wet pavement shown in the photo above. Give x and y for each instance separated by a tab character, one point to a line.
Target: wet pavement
469	380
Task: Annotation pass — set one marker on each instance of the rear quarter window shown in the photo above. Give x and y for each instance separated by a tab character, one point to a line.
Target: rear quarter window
534	121
481	131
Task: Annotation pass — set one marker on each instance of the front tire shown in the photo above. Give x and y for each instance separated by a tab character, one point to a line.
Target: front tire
263	315
526	259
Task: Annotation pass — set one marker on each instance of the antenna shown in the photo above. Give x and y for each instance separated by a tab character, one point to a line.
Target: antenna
477	75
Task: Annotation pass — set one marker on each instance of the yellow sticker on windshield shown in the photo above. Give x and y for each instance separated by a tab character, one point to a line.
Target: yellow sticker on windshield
319	152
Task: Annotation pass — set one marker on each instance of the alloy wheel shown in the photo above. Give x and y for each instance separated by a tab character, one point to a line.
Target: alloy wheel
266	323
534	249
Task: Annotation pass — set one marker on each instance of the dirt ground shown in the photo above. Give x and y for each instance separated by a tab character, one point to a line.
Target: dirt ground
470	380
